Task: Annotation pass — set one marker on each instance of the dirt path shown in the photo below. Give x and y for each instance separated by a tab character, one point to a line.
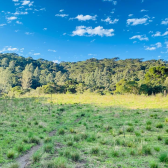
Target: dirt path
24	160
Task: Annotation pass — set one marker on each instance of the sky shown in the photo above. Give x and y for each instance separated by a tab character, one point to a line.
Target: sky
76	30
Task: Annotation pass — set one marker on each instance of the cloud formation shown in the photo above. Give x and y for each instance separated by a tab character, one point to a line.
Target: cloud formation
165	22
84	18
137	21
140	37
89	31
108	20
61	15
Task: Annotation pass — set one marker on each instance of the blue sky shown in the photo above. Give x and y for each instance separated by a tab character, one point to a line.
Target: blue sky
73	30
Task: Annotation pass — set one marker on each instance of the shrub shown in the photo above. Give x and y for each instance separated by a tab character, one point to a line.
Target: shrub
164	157
47	140
148	122
36	157
159	138
34	140
70	143
166	119
11	154
147	150
95	150
48	148
75	156
132	152
20	148
60	162
76	138
130	129
13	165
166	141
154	165
157	149
115	153
61	132
159	125
148	127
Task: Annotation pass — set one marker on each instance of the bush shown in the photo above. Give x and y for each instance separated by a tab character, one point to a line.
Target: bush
75	156
130	129
10	154
147	150
166	141
70	143
36	157
48	148
95	150
159	138
60	162
47	140
159	125
61	132
34	140
154	165
20	148
13	165
164	157
148	127
115	153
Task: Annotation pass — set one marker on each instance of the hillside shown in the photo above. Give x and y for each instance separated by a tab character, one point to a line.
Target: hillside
93	74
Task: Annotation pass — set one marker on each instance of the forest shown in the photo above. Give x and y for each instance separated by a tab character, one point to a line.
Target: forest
19	75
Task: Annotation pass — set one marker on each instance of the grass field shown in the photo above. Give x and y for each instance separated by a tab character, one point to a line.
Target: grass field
125	101
77	131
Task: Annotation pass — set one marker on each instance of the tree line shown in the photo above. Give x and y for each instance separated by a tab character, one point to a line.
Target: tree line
113	76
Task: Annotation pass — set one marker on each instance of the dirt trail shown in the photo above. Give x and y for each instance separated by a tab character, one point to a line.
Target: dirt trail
24	160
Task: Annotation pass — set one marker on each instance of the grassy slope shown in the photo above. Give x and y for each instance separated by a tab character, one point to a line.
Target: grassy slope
87	135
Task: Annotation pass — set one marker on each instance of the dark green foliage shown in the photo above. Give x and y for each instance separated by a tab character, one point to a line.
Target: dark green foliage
99	76
164	157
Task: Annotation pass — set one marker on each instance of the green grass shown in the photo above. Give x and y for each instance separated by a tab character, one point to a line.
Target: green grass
86	135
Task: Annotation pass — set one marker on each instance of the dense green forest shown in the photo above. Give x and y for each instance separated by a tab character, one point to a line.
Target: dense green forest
19	75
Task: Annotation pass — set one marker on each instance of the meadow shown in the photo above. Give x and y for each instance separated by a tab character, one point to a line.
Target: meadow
84	131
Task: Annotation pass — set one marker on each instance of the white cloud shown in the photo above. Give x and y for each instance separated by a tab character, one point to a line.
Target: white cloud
56	61
11	18
108	20
143	10
92	54
61	15
114	2
1	25
93	40
89	31
154	46
136	21
19	22
8	49
28	33
15	0
85	18
158	45
165	22
140	37
20	13
130	15
45	29
52	50
157	34
150	48
36	53
25	2
61	10
166	44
